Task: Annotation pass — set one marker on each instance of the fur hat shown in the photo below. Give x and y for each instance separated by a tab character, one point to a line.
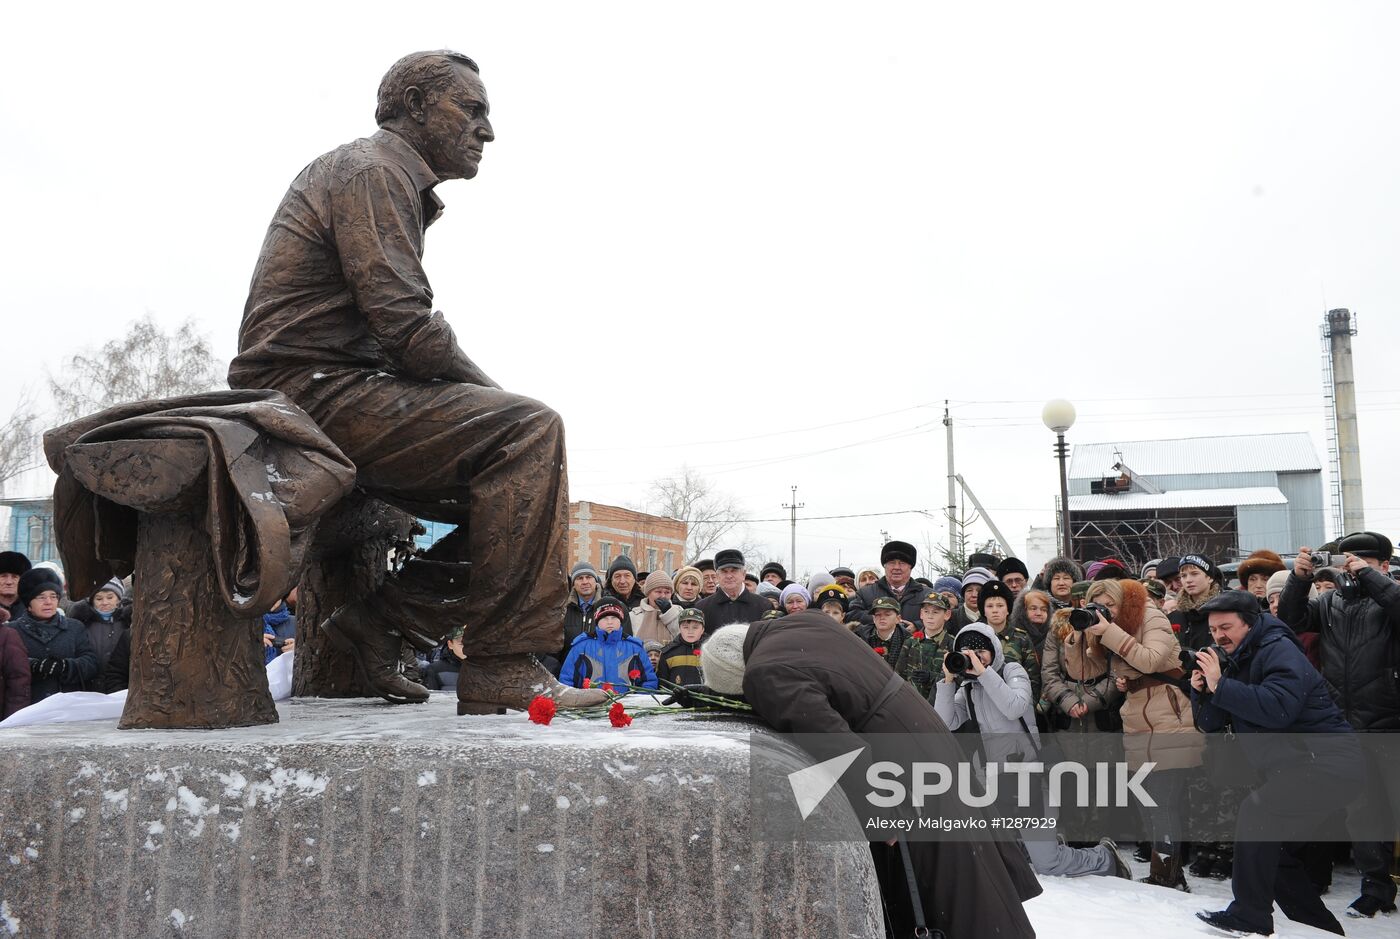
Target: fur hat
1260	562
1062	566
705	564
977	576
12	562
656	579
1012	566
993	589
983	559
773	567
947	584
722	659
899	551
794	590
36	580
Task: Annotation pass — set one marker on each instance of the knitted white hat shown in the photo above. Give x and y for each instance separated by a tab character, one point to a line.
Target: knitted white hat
722	659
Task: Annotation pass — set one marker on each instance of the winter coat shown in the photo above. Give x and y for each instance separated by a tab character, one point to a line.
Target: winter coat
923	653
1360	641
1018	647
63	638
961	617
117	675
608	657
1191	625
578	619
807	674
1000	696
679	663
103	633
720	611
1074	671
649	624
891	646
14	672
281	625
441	673
1268	686
622	562
1157	719
909	601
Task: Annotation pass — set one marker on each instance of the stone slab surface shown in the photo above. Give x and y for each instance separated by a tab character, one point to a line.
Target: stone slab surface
361	819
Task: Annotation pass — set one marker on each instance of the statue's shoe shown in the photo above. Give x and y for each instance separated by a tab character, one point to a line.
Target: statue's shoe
486	684
376	651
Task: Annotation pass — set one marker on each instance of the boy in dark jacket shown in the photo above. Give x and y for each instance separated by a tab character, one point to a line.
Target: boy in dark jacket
885	635
920	662
680	660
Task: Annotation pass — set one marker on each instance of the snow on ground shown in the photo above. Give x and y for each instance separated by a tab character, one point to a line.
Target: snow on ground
1104	906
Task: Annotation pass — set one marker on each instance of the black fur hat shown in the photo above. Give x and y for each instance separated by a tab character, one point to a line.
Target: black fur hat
36	580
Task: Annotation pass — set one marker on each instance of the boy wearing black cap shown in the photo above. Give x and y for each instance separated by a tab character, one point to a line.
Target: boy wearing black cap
60	656
1358	625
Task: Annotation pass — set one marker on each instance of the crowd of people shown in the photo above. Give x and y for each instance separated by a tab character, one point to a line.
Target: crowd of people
1170	656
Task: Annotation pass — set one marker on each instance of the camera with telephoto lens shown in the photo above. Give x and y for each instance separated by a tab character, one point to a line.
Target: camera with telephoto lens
957	663
1088	615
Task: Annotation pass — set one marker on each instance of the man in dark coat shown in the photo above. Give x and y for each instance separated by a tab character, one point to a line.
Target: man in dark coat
732	602
60	655
898	559
13	566
622	582
1358	631
339	318
807	674
1268	686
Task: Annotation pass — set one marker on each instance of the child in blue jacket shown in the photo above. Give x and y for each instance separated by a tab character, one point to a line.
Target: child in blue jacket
604	654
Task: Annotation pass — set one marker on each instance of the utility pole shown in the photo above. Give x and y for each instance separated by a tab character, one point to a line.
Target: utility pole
952	484
794	505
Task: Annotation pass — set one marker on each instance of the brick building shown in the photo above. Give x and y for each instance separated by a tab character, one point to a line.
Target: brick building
598	533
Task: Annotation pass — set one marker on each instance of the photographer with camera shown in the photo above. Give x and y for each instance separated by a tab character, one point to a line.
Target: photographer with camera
1358	627
1257	680
983	693
1157	721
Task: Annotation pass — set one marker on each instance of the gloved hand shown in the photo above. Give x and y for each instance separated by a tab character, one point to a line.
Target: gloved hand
685	696
663	604
921	676
54	667
36	668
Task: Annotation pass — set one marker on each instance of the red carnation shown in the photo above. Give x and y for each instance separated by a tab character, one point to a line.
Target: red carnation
588	683
617	716
542	709
918	635
879	650
696	651
607	686
634	674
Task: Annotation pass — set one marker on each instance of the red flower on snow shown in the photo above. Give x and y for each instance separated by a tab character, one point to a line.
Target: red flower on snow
634	674
588	683
542	709
617	716
607	686
880	650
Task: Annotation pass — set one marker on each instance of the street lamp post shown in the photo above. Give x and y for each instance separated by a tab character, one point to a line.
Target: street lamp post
1058	415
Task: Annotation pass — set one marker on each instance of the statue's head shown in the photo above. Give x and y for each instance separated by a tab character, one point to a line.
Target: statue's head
436	101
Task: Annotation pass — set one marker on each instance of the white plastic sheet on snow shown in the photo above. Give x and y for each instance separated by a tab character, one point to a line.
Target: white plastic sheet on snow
94	706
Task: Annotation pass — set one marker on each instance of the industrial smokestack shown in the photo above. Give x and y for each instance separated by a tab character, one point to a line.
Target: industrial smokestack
1339	329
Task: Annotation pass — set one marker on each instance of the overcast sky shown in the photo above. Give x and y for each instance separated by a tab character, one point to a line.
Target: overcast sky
769	239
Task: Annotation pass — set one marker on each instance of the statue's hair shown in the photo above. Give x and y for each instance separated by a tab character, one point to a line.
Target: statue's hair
431	72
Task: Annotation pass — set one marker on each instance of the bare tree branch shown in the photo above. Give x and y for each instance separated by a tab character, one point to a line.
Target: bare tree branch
709	515
19	442
145	362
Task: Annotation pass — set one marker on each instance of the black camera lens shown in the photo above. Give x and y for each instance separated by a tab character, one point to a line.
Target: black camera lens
956	662
1082	619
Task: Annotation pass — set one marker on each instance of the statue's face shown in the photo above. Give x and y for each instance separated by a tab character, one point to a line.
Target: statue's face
457	127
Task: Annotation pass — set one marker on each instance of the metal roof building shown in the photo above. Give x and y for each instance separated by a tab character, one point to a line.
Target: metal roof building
1226	496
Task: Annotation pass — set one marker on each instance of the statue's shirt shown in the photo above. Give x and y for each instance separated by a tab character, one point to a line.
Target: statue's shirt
339	283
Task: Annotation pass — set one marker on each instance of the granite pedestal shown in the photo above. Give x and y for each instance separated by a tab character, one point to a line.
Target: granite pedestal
360	819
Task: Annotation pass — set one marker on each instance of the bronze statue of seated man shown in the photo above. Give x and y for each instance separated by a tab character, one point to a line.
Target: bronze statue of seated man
339	318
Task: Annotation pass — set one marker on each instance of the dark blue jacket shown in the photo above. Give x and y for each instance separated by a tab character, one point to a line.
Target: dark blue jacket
63	638
609	657
1272	688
